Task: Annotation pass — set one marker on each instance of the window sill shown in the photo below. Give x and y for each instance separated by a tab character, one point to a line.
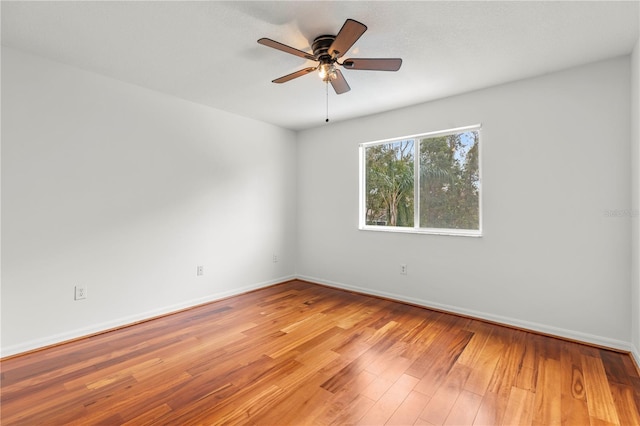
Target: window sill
427	231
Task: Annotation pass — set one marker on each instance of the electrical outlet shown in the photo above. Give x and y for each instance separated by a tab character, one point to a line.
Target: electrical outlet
81	292
200	271
275	258
403	269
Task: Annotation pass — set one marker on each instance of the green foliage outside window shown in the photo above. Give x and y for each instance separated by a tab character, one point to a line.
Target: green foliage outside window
390	184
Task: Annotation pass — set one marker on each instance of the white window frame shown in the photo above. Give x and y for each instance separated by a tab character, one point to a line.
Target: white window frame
416	229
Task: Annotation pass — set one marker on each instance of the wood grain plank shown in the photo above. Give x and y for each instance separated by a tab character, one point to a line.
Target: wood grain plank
574	398
440	404
389	402
408	412
149	417
492	409
377	388
528	373
443	353
599	399
345	399
483	367
548	397
307	397
520	407
351	416
627	410
464	410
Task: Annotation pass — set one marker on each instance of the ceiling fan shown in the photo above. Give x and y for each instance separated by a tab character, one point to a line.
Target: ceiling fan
327	49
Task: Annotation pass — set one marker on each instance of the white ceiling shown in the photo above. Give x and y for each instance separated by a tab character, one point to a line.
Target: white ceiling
206	52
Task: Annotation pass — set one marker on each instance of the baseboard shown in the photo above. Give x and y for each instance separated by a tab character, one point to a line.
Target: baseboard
635	357
79	333
572	335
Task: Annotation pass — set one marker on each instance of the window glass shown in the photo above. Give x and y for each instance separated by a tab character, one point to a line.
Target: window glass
450	181
390	183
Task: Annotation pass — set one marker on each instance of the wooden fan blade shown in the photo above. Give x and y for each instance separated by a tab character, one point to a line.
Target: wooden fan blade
348	35
373	64
293	75
339	84
283	47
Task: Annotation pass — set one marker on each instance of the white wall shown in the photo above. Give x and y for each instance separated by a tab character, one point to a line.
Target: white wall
127	190
555	159
635	199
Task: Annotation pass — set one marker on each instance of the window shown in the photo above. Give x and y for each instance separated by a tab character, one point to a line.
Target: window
437	193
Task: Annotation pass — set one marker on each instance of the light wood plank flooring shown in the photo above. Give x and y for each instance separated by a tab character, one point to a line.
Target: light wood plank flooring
299	353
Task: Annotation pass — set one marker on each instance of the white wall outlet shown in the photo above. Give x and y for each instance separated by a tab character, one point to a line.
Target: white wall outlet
403	269
200	270
275	258
81	292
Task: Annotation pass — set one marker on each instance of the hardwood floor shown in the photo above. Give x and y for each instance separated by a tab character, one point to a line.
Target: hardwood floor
299	353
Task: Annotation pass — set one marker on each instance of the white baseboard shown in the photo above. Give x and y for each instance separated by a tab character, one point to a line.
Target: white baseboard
132	319
514	322
635	353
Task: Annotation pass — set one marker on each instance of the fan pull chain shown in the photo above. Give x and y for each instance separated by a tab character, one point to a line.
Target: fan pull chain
327	91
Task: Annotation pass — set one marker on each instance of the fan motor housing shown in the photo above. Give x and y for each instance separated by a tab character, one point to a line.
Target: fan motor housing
320	46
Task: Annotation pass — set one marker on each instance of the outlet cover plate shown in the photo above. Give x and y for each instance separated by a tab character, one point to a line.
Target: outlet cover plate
80	292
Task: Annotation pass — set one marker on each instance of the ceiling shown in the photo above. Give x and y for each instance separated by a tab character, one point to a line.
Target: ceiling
206	52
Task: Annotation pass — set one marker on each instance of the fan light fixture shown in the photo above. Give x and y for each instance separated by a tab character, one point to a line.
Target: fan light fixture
327	72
